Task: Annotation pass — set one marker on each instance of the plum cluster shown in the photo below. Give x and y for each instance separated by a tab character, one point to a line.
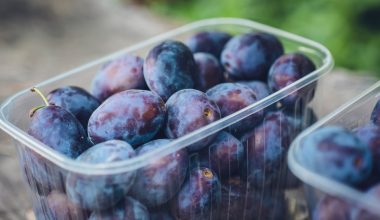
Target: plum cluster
140	105
348	156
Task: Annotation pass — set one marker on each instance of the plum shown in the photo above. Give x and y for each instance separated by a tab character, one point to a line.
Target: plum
249	56
286	70
128	208
266	148
134	116
208	42
123	73
58	129
162	178
209	73
99	192
331	208
260	88
199	197
160	213
370	135
75	100
232	97
336	153
59	207
188	110
225	154
168	68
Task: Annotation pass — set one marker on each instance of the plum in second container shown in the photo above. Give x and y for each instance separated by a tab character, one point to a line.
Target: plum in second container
331	208
336	153
134	116
199	197
168	68
99	192
121	74
162	178
188	110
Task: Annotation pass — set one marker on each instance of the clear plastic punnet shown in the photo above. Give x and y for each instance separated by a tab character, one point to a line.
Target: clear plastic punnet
324	195
259	187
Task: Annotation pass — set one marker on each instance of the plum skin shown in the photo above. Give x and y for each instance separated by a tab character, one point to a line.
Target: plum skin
336	153
210	72
60	130
162	178
232	97
168	68
99	192
266	147
249	56
188	110
211	42
134	116
199	197
120	74
286	70
75	100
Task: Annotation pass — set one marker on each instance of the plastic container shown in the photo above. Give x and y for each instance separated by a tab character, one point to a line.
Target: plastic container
322	190
45	170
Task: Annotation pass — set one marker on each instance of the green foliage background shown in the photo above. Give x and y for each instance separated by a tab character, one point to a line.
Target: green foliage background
349	28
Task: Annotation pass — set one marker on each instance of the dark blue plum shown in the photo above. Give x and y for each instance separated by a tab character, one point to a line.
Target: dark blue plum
59	207
128	209
249	56
188	110
208	42
199	197
75	100
260	88
162	178
210	72
169	67
336	153
331	208
370	135
134	116
121	74
286	70
232	97
225	155
59	130
301	121
99	192
266	148
375	115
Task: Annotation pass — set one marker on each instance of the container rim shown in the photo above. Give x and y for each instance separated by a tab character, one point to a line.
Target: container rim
142	160
321	182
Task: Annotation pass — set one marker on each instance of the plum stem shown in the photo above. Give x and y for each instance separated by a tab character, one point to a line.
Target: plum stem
34	89
31	113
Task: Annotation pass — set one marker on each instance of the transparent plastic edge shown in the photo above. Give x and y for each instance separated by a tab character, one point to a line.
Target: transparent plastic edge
323	183
140	161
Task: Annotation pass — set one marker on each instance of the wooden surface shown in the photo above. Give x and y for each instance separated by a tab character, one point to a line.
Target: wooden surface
34	50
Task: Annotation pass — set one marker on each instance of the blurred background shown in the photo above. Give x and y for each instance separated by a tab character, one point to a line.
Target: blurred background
42	38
